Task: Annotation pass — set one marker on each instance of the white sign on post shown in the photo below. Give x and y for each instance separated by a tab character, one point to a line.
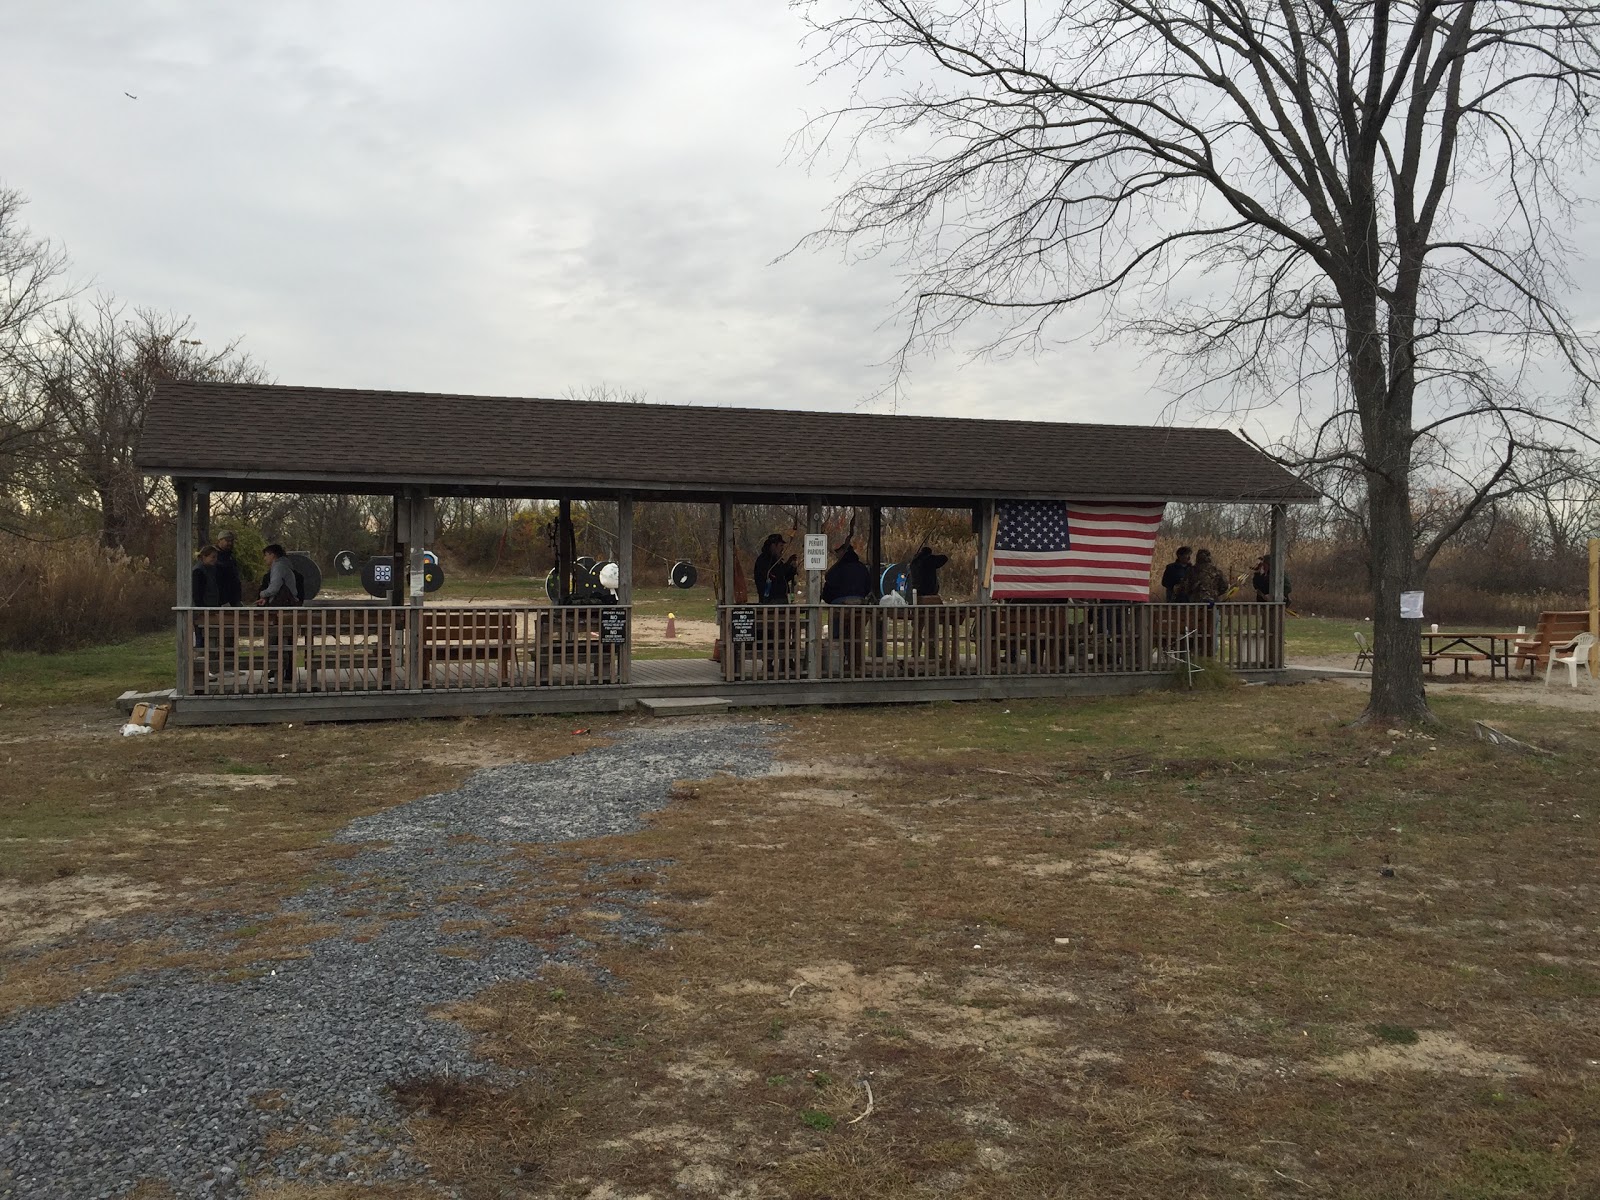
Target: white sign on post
1411	606
816	552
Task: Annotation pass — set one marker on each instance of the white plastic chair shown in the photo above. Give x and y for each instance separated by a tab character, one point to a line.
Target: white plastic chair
1364	657
1580	654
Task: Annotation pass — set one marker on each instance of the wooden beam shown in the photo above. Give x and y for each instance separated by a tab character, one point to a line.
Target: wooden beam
202	515
415	564
1280	549
625	554
397	551
725	551
986	531
184	558
565	546
875	544
814	597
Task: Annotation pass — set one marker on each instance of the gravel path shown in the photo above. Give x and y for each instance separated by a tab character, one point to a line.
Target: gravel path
181	1079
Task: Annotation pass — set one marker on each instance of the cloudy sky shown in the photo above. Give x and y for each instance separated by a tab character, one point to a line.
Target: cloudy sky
482	197
494	197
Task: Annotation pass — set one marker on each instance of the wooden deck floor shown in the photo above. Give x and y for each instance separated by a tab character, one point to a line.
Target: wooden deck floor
652	679
675	672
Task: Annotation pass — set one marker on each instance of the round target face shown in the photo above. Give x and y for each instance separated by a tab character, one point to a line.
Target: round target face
344	562
894	579
550	586
432	576
307	569
585	562
683	575
430	557
377	577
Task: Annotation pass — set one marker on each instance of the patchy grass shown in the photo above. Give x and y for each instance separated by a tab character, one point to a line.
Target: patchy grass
97	675
1144	944
1127	947
202	820
1322	637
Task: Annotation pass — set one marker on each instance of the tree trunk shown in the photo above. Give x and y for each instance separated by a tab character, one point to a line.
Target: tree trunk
1398	696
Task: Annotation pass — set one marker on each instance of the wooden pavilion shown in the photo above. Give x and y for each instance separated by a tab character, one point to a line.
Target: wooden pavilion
403	657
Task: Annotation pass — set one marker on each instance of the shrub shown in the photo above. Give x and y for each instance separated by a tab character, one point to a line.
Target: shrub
62	595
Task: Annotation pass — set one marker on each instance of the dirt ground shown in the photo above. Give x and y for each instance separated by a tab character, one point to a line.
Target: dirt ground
1207	945
1519	690
652	631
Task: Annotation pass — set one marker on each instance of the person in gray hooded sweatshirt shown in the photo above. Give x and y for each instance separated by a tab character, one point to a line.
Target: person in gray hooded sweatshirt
279	590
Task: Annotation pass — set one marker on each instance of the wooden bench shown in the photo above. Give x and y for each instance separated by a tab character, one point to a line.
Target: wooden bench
1553	629
468	636
569	648
1459	660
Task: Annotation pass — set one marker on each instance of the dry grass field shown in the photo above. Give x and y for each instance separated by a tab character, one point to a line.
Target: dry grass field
1212	945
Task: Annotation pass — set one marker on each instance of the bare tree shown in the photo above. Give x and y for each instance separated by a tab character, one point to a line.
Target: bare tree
31	271
96	375
1359	206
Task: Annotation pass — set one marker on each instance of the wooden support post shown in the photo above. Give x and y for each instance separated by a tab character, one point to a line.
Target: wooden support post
625	554
397	552
813	597
413	520
725	553
1280	549
986	548
1280	553
184	558
202	514
625	579
875	546
565	547
416	543
984	587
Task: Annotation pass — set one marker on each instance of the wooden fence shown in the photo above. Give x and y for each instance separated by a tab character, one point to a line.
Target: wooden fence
379	648
960	640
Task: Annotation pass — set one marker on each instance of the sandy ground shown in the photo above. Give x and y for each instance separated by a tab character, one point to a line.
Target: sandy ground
652	631
1584	698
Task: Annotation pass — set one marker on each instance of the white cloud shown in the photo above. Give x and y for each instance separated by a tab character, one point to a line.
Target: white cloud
484	197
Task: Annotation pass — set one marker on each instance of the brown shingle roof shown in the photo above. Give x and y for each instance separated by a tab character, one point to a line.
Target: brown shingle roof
296	438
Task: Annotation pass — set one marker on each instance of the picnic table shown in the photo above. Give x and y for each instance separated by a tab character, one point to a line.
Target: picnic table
1464	649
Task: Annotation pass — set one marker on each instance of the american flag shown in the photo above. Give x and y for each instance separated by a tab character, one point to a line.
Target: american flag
1046	549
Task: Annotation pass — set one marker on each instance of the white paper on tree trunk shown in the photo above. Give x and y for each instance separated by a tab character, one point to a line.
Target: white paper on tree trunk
1411	605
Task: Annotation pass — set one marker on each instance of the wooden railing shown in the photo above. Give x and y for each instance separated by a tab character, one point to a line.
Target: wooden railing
378	648
1003	639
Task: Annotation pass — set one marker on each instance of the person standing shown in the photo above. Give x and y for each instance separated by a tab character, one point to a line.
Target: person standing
1261	580
848	581
1207	583
929	629
205	583
773	573
230	582
280	589
205	592
922	573
1175	579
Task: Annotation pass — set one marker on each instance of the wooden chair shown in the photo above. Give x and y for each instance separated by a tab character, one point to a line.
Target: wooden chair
1363	652
1554	630
1580	654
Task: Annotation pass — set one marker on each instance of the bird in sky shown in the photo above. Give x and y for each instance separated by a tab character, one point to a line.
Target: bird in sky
130	95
